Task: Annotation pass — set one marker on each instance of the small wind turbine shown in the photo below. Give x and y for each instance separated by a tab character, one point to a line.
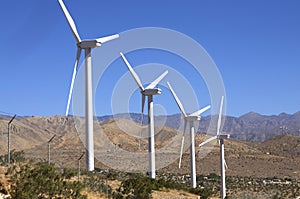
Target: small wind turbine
221	138
8	138
191	118
87	45
149	91
49	143
79	166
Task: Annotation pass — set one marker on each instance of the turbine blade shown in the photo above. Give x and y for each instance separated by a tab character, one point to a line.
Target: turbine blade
220	116
157	80
142	118
108	38
226	167
134	75
200	111
208	140
182	143
181	151
70	21
143	103
177	100
73	79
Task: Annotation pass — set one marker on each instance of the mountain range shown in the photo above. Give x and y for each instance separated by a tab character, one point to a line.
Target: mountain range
249	127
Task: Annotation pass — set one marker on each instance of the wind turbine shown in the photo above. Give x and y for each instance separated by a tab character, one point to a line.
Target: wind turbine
85	45
79	166
8	138
49	143
221	138
149	91
191	118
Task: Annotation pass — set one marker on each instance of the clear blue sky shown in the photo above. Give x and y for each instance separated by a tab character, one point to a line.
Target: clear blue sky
255	44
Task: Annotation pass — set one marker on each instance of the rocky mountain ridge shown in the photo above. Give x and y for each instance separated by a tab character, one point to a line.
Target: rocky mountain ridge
250	127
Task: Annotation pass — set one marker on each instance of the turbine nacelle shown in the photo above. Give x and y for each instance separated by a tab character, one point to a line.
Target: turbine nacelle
88	44
151	91
192	118
223	136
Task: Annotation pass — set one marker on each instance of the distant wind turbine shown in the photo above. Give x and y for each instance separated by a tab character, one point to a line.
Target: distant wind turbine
149	91
221	138
49	152
87	45
191	118
8	138
79	166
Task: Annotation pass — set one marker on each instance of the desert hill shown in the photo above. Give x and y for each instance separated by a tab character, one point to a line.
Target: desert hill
117	146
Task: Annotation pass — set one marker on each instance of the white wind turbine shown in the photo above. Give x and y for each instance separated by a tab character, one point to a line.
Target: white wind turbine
191	118
85	45
221	138
149	91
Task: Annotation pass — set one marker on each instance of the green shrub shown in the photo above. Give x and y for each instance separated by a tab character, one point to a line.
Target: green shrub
42	181
68	173
15	156
139	186
136	186
97	184
204	193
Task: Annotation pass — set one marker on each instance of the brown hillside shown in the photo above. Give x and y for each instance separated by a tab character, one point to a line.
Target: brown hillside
118	147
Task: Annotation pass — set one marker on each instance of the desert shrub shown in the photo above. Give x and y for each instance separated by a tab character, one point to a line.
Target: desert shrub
276	196
42	181
15	156
213	176
3	189
204	193
68	173
136	186
170	184
97	184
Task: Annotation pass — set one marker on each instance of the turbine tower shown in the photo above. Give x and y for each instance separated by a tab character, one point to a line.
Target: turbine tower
190	119
221	138
149	91
85	45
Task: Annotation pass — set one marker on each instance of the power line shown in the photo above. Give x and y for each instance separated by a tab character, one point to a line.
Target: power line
6	113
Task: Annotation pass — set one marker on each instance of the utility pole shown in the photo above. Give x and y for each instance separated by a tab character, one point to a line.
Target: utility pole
79	166
8	139
49	148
